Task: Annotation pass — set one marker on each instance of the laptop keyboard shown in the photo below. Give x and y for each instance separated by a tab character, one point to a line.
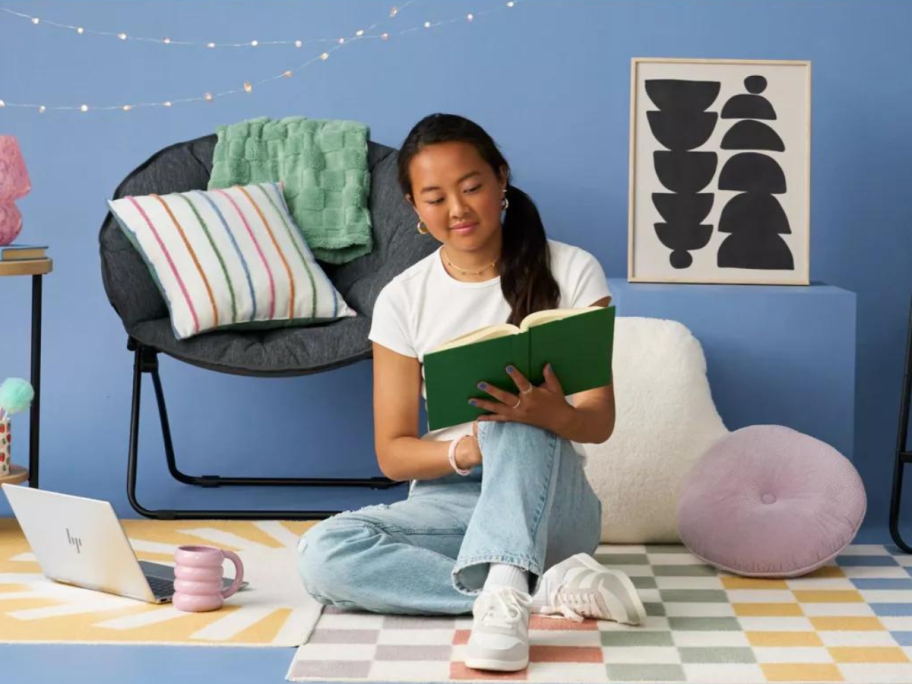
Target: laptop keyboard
161	587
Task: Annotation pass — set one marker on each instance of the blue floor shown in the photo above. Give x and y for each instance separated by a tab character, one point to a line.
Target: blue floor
34	664
39	664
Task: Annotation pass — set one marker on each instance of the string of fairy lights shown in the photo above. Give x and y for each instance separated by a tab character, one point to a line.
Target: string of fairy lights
210	96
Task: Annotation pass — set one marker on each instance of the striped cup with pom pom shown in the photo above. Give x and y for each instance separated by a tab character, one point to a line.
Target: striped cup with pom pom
6	445
15	395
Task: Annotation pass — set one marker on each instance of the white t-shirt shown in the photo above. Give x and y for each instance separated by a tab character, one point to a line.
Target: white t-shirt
424	306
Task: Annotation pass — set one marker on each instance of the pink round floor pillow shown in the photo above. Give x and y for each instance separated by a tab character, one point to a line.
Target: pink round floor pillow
768	501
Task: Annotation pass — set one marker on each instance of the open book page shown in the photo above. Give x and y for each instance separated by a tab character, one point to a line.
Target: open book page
491	332
549	315
487	333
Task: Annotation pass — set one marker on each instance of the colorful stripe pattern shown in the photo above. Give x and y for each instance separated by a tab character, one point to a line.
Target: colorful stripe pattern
229	256
849	621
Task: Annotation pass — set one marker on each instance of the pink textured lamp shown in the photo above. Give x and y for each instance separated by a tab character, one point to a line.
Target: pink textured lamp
14	184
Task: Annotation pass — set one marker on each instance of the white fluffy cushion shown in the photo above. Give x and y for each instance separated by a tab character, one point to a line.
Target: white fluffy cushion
666	422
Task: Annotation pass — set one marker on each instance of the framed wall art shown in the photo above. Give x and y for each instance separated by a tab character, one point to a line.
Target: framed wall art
720	171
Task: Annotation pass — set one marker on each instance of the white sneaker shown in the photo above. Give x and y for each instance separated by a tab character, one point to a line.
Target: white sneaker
500	631
581	587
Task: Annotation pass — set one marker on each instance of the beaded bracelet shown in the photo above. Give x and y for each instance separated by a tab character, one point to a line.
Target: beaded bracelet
452	456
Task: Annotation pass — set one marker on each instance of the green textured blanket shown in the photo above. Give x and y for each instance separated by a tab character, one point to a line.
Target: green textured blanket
323	165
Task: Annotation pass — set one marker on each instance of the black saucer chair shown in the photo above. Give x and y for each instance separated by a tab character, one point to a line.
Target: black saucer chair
271	353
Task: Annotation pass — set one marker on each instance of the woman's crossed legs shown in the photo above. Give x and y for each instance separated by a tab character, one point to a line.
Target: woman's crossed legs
529	505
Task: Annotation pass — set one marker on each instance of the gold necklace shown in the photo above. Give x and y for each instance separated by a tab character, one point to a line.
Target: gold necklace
465	272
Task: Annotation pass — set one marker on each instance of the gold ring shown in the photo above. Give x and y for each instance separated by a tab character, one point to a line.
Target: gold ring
529	389
518	402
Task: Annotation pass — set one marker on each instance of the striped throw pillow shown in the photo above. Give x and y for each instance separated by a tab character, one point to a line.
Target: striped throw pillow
231	258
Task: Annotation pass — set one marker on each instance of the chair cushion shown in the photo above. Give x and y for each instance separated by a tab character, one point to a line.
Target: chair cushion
666	420
279	352
229	258
769	501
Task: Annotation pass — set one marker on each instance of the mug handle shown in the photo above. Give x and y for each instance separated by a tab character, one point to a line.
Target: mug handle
238	572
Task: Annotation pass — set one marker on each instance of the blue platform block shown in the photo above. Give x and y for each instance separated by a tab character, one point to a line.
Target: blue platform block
782	355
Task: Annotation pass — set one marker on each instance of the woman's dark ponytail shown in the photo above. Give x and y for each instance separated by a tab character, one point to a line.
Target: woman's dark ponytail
525	277
525	267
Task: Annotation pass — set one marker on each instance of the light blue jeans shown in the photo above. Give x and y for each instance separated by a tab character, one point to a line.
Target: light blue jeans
529	505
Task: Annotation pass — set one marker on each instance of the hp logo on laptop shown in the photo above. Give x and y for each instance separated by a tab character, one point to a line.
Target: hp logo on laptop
74	541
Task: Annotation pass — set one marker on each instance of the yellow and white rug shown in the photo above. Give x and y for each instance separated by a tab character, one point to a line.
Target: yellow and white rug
274	610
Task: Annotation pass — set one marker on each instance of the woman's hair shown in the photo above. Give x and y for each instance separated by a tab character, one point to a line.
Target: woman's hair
525	273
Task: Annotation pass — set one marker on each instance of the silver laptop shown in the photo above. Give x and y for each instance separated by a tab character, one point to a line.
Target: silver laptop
81	542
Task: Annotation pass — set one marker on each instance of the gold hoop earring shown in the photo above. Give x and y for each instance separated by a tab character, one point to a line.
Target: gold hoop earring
422	227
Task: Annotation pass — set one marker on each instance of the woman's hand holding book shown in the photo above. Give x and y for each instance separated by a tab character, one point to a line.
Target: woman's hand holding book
544	406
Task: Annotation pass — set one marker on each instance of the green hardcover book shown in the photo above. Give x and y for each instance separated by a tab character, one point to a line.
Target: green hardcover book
577	342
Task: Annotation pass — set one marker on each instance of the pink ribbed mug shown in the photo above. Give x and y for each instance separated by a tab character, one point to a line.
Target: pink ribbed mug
198	578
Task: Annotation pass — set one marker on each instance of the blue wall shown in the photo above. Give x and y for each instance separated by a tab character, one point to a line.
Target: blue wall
549	80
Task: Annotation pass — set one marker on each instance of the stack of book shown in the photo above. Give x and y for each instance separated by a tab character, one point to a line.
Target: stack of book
21	252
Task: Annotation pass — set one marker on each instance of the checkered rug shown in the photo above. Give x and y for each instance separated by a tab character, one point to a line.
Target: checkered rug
850	621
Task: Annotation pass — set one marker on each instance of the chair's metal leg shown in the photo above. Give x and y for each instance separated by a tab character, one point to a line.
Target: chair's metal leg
134	443
903	456
150	363
146	361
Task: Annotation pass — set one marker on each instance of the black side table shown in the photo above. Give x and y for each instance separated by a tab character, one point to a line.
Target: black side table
37	268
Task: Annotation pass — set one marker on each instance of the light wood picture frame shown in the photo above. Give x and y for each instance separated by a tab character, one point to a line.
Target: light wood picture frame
719	188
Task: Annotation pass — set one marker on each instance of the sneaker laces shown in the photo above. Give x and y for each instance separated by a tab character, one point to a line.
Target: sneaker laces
505	607
573	605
